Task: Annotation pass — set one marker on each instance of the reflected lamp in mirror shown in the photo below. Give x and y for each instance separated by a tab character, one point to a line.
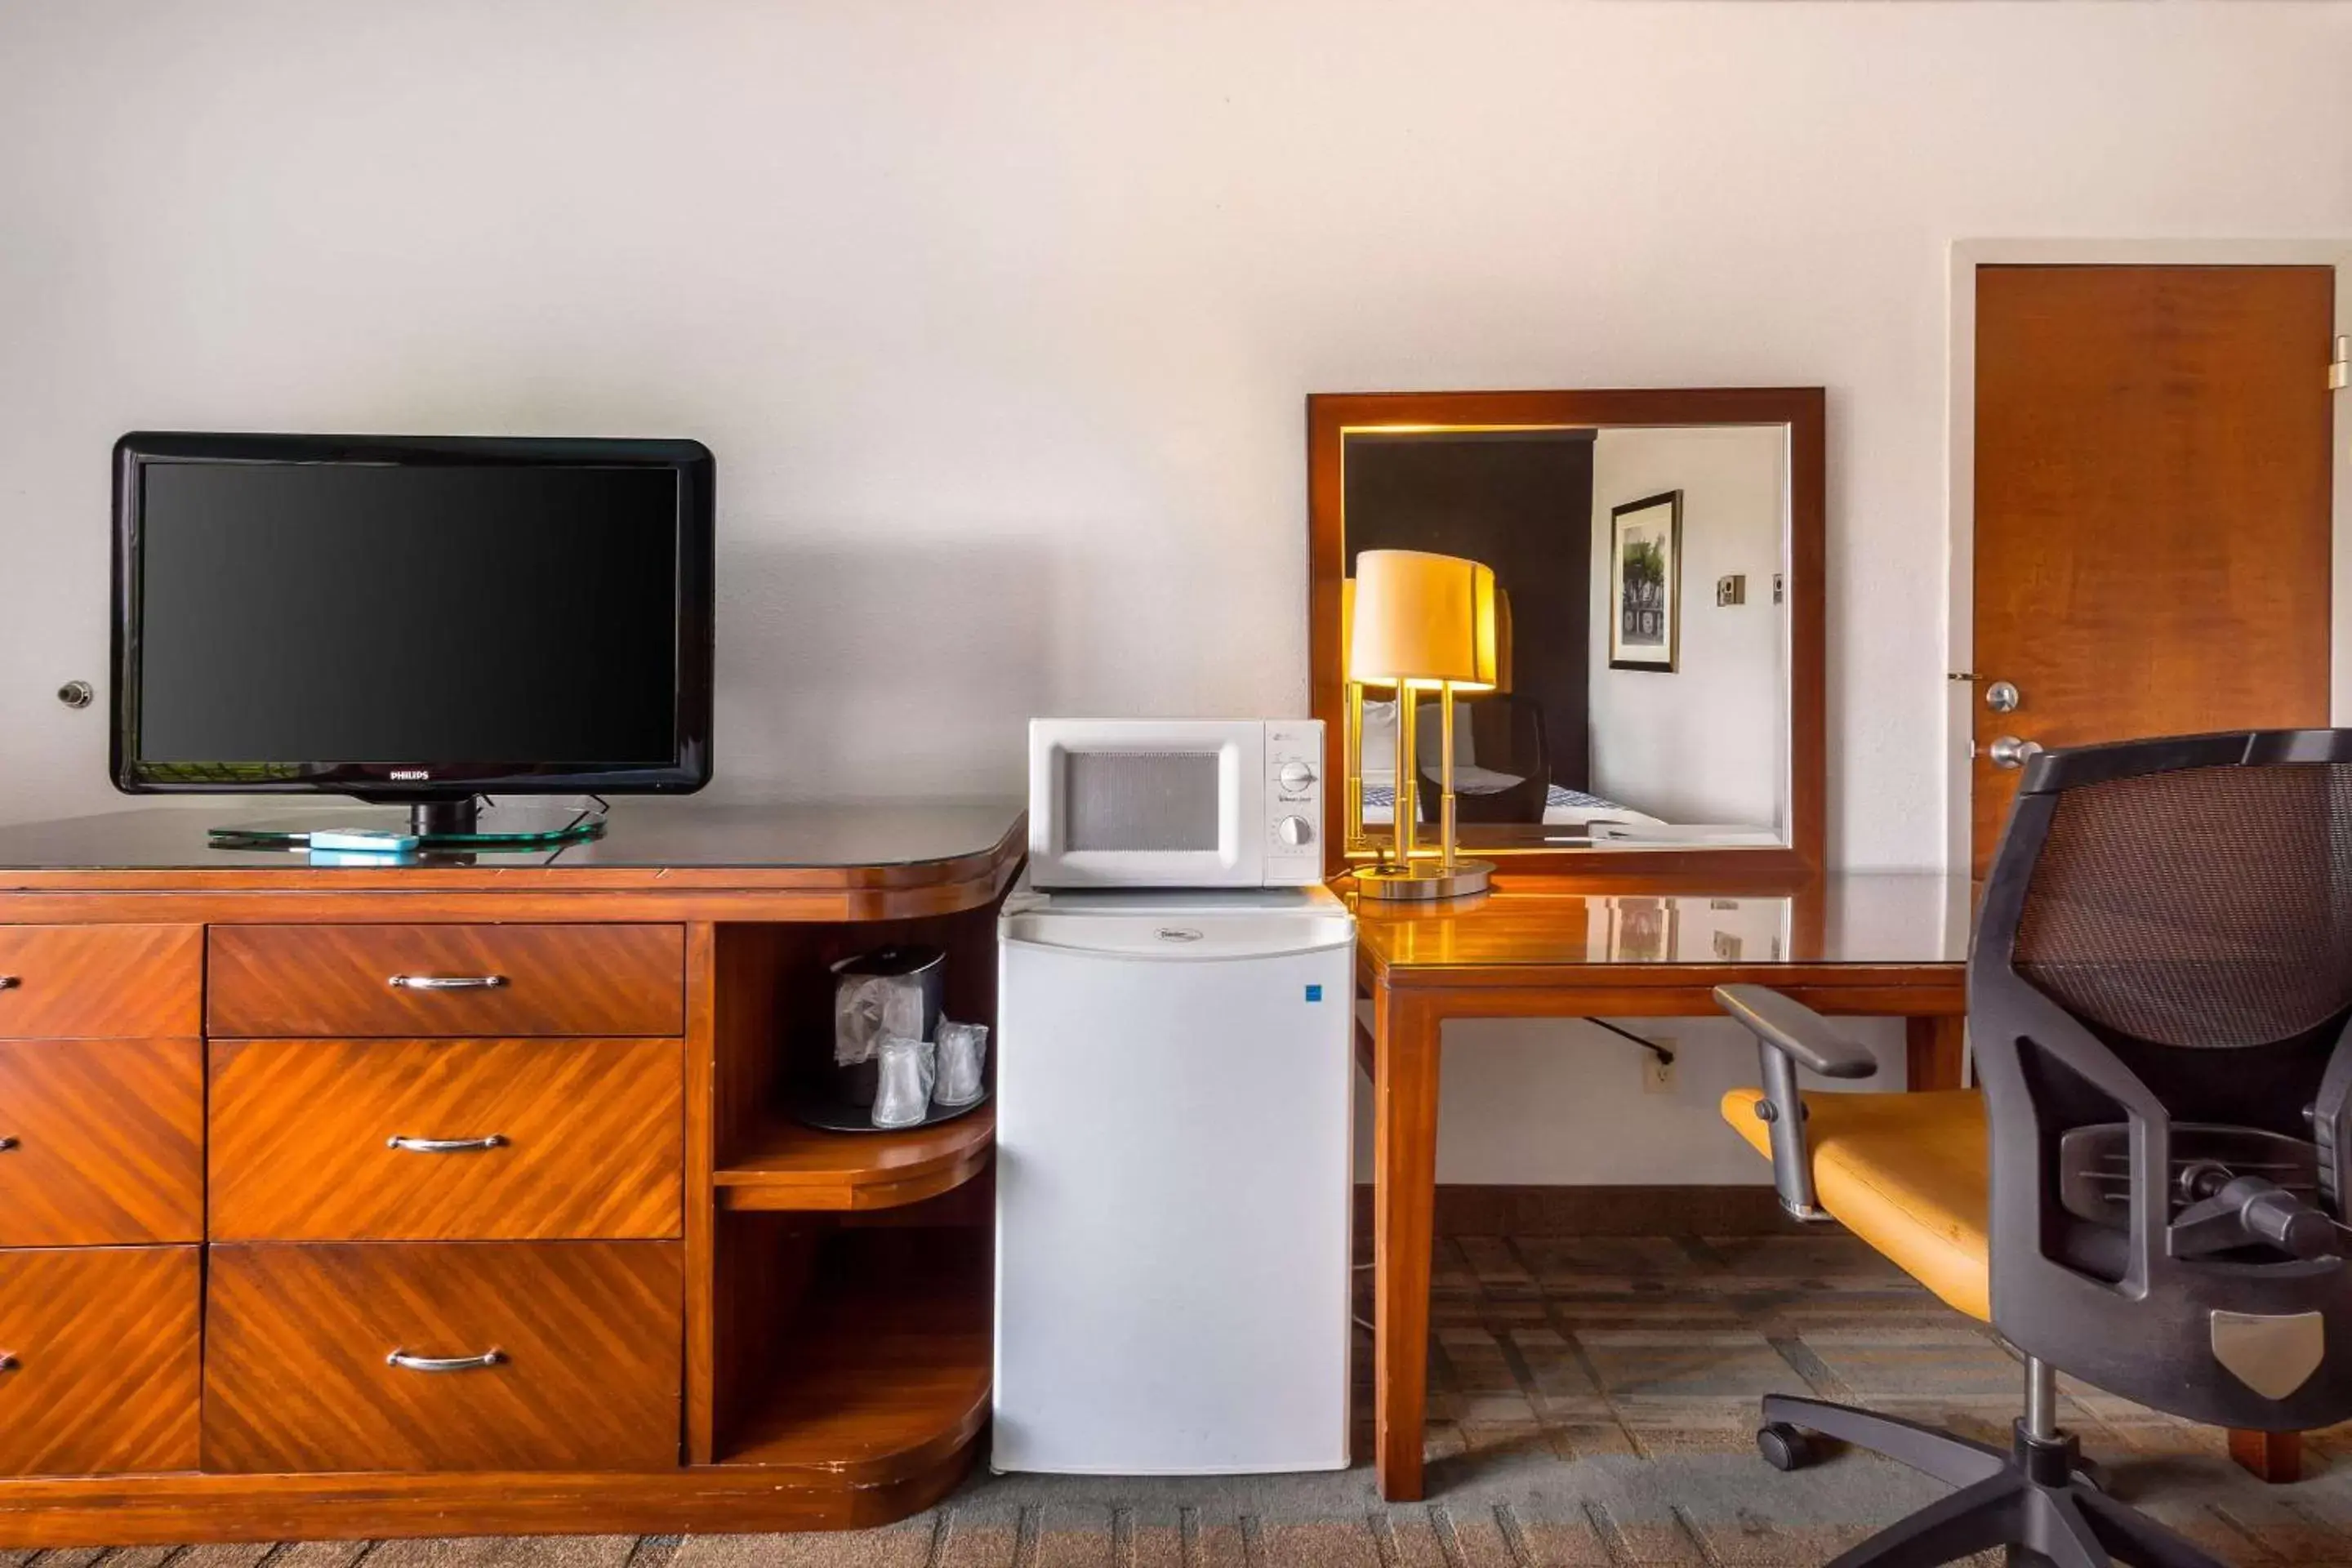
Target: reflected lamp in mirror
1632	729
1416	621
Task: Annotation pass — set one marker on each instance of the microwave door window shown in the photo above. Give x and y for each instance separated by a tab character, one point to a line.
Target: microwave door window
1143	801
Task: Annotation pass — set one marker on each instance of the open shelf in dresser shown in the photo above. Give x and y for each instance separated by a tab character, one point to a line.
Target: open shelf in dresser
851	1287
784	1165
882	1366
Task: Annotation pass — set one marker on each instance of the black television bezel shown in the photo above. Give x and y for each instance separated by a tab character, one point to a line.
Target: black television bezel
690	770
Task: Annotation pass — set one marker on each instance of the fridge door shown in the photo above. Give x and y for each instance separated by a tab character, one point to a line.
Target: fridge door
1173	1186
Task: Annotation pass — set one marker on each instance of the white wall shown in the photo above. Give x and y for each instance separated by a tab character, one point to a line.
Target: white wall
1524	1100
999	312
1707	742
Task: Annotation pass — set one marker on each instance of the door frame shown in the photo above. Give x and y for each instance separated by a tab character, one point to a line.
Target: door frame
1960	424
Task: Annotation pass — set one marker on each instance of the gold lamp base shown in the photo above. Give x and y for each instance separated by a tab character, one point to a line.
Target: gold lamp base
1424	881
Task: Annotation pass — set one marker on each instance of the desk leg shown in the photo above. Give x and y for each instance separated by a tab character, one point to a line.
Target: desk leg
2274	1456
1404	1202
1934	1048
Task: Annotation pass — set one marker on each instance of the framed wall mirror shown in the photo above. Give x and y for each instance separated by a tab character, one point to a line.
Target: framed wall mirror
1657	554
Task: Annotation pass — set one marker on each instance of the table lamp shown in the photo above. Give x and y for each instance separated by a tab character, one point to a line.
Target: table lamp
1423	622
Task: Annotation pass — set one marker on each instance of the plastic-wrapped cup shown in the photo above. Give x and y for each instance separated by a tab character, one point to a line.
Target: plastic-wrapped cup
908	1068
963	1052
890	991
868	1008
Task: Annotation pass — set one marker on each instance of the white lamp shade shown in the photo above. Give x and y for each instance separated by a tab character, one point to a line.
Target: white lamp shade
1420	618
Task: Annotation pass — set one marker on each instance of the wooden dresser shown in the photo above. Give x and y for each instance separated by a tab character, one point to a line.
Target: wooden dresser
459	1197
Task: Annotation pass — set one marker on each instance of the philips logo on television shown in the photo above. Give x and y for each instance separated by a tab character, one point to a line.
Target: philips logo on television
418	774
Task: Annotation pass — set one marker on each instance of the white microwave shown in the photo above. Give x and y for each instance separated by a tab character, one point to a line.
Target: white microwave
1175	803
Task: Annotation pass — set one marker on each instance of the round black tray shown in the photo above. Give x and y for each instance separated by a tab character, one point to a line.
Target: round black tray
837	1116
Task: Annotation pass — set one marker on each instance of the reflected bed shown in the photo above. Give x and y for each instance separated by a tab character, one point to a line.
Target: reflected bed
1560	805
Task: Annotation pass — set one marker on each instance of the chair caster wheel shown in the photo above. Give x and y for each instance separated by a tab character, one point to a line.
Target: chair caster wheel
1786	1447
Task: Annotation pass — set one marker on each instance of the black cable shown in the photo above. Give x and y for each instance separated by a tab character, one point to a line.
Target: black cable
1666	1057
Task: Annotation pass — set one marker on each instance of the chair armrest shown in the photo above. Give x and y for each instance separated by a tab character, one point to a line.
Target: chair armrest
1795	1030
1790	1035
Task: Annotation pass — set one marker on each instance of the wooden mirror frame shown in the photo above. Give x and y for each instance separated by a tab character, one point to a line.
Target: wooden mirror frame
1788	868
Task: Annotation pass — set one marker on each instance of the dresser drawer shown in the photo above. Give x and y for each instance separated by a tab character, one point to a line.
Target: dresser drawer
498	1140
99	1360
340	980
97	982
559	1355
101	1142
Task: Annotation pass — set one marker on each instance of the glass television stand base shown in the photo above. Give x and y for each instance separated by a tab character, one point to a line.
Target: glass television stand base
471	823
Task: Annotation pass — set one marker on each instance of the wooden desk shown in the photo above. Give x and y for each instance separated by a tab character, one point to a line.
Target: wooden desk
1888	947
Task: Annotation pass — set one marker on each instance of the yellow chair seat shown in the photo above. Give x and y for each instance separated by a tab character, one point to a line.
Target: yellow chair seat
1906	1172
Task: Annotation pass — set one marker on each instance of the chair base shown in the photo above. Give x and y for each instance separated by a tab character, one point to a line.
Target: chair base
2036	1500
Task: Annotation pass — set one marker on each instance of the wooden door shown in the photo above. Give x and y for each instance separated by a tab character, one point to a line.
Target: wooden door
2152	506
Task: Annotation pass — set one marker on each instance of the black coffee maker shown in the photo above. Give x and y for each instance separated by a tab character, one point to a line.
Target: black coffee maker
891	991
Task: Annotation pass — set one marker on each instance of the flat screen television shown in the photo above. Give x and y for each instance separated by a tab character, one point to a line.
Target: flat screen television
418	620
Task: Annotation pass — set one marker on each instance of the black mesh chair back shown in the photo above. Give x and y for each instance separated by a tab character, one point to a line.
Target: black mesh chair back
1504	770
2158	1002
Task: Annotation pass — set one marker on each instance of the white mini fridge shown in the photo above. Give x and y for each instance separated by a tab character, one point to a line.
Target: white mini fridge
1174	1177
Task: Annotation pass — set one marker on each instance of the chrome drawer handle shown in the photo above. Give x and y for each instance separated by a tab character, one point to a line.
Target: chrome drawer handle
445	1145
8	1362
10	982
447	982
407	1363
7	1144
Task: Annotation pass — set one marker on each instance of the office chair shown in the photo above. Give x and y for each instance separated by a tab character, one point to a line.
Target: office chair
1502	766
2148	1194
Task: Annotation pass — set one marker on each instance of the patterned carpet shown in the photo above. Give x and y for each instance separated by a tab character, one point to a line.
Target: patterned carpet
1592	1405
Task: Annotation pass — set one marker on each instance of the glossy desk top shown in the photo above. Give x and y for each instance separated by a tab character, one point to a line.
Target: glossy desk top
645	835
1903	918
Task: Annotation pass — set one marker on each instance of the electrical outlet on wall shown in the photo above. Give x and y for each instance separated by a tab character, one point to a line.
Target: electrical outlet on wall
1658	1074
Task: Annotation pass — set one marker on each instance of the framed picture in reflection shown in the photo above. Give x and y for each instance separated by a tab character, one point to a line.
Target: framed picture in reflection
1641	930
1645	582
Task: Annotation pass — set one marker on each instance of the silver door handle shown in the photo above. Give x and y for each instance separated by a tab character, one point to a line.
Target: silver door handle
407	1363
7	1144
444	1145
2009	752
446	981
7	1362
10	982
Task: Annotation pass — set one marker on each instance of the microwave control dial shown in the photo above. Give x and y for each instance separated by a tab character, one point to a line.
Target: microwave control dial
1294	778
1295	831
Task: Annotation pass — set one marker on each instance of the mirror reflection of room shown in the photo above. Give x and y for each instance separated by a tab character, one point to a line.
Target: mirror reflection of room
1641	698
